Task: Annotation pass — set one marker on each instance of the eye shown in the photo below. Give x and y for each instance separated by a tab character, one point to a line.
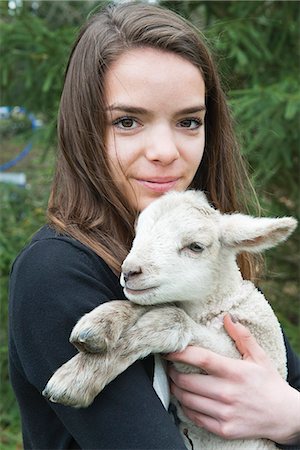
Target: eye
192	123
195	247
126	123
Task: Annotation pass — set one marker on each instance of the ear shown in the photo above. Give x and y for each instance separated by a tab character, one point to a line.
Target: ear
246	233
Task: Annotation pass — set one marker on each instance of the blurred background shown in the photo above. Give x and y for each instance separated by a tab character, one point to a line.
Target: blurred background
256	45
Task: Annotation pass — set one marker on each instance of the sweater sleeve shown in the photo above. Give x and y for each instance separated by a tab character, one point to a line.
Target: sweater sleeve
293	378
53	283
293	365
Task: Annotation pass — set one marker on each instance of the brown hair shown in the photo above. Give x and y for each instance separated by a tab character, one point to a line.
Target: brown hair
85	202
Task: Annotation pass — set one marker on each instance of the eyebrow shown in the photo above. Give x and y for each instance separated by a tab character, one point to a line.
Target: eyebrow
138	110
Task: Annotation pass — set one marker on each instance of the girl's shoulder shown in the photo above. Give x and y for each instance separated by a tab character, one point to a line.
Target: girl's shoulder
47	243
49	255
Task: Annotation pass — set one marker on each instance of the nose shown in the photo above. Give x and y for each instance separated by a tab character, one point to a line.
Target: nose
161	146
131	274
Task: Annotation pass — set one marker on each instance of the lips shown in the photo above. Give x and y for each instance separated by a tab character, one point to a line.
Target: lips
158	184
138	291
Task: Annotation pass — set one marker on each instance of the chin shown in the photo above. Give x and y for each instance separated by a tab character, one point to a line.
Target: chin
143	297
144	202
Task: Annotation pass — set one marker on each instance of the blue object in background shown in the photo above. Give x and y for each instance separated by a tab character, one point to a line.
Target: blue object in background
5	113
18	158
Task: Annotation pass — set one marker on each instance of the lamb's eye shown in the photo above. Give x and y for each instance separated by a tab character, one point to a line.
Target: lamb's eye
195	247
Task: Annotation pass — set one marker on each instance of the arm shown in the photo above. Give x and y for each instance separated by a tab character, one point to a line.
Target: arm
52	285
238	398
293	365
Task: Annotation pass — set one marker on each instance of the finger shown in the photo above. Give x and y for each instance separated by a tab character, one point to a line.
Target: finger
208	386
244	340
197	403
202	420
211	424
210	362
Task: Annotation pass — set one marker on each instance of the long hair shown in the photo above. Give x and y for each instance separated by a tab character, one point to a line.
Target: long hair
85	202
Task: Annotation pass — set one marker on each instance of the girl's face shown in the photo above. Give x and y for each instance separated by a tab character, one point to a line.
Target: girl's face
155	123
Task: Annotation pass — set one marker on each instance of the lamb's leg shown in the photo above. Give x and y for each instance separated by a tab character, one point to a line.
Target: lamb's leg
77	382
100	329
166	329
74	383
161	330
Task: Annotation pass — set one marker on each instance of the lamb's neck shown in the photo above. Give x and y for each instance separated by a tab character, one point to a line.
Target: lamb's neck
228	291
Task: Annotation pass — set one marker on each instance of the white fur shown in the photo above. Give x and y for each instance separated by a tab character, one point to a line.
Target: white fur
178	296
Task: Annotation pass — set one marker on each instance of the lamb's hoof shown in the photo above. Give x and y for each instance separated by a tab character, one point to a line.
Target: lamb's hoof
73	384
63	398
63	390
84	341
100	330
95	336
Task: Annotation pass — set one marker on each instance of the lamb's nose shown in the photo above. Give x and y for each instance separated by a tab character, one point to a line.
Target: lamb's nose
131	274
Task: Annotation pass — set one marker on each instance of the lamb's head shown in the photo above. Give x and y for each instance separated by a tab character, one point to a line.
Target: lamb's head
184	248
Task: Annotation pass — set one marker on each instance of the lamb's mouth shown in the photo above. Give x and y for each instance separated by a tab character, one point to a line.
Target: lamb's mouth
139	291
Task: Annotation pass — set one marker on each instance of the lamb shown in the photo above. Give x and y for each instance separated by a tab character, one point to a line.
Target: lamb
181	278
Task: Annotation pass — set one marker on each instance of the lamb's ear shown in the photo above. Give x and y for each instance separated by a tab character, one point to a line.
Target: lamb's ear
246	233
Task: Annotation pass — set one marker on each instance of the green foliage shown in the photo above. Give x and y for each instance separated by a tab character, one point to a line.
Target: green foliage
35	43
37	55
261	50
21	215
267	117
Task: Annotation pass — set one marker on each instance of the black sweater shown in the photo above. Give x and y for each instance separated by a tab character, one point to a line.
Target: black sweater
54	281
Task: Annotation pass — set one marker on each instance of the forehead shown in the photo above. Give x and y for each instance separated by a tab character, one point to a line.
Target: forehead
177	220
142	74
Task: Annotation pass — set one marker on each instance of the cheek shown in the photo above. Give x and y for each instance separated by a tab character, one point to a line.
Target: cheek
194	154
119	154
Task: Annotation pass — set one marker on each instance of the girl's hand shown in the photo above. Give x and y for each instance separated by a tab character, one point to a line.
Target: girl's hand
244	398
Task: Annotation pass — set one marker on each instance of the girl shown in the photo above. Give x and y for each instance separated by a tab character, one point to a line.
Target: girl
142	112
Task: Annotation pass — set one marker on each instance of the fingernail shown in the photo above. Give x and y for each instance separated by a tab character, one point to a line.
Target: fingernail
233	318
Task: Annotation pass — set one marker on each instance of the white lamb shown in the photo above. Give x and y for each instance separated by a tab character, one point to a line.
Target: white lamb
181	278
